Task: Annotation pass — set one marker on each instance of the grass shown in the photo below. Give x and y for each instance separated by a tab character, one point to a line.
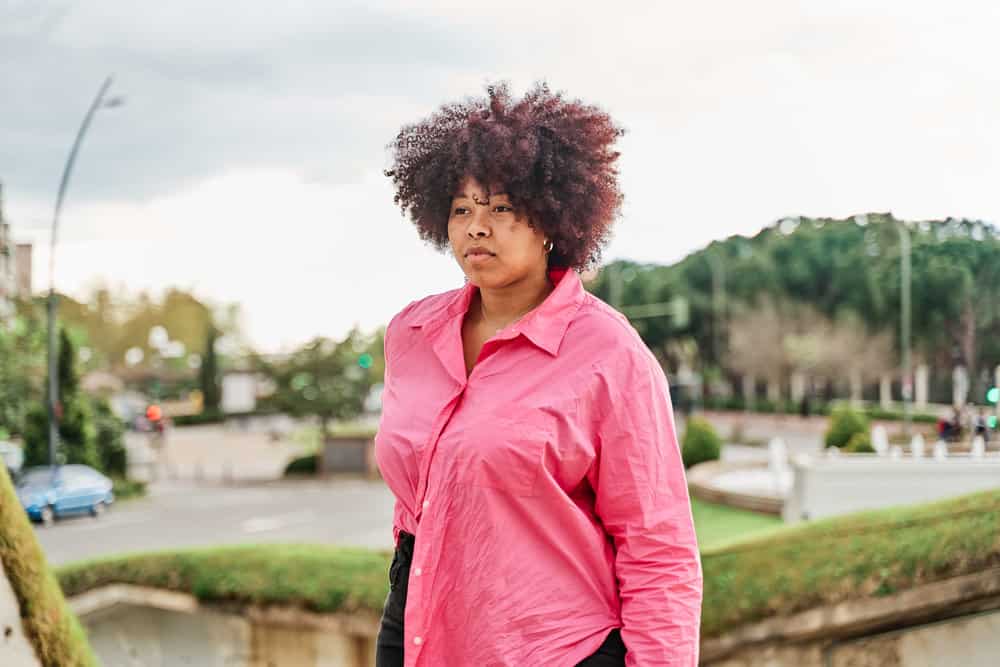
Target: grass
317	578
778	571
50	626
718	524
869	554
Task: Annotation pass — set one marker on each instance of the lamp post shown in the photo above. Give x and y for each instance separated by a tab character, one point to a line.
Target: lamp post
53	363
904	324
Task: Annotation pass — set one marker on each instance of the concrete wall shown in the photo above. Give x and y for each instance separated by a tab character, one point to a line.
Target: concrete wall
130	626
954	622
853	482
348	454
15	650
951	623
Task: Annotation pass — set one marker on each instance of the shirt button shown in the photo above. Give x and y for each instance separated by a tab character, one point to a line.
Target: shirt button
418	571
418	640
427	504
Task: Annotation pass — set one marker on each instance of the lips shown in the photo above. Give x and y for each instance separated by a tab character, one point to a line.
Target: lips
475	252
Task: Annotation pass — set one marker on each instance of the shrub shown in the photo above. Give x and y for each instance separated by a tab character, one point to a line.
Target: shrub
204	417
844	424
110	440
860	443
77	434
127	488
700	443
304	465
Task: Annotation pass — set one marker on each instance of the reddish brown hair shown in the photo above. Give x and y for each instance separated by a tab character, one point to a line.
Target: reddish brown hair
553	157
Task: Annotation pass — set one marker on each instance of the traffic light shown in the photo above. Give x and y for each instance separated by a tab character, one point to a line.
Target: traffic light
365	361
993	395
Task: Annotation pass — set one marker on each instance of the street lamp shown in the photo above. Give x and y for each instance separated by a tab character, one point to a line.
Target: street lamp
98	103
904	324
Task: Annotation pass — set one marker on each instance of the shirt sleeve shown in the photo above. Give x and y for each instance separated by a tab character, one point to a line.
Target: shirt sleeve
642	499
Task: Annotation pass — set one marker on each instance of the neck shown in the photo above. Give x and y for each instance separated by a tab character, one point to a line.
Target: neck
501	305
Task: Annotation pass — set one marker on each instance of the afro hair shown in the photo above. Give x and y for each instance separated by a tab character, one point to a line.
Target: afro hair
554	158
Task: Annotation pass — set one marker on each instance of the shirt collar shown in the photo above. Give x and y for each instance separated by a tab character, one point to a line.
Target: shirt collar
544	326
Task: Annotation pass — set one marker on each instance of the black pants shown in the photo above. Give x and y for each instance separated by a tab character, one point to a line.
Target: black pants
389	645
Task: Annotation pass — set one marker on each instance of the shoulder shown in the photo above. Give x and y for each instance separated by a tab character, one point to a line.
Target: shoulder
619	350
605	327
421	311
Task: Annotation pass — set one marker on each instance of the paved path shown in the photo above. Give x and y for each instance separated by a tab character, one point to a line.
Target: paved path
346	512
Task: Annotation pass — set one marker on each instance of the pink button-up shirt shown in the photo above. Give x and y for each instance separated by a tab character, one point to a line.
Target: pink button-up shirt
546	489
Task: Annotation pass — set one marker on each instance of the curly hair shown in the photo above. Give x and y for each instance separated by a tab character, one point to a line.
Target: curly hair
553	157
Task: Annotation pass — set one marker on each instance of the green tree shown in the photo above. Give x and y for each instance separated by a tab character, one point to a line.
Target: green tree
22	371
325	378
208	374
77	430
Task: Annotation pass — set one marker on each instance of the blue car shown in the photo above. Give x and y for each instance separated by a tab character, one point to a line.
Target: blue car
48	493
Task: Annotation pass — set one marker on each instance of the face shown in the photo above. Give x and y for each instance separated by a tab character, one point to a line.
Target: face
494	244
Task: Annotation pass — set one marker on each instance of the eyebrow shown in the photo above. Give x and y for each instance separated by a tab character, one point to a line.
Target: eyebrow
462	195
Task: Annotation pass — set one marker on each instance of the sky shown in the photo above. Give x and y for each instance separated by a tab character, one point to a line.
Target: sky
246	163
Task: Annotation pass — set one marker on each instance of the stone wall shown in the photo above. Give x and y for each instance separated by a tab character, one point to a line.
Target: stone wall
944	624
132	626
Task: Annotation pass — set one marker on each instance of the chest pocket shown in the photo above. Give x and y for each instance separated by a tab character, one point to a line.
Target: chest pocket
506	453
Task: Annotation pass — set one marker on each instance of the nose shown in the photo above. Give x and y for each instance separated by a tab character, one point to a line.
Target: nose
479	222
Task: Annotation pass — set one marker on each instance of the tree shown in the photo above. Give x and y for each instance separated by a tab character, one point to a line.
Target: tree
840	269
22	371
326	379
77	428
208	374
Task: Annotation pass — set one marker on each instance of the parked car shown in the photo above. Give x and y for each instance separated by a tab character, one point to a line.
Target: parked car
48	493
13	457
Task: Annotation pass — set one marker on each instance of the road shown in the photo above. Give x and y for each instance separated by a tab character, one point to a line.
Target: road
347	511
196	507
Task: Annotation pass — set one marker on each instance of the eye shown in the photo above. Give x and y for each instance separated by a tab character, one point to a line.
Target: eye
503	208
459	210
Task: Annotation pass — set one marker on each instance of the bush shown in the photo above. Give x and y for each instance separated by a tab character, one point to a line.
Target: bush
77	434
844	424
110	440
764	405
127	488
205	417
304	465
700	443
860	443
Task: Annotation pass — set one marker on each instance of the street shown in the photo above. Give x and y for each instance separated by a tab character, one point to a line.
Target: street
347	511
223	487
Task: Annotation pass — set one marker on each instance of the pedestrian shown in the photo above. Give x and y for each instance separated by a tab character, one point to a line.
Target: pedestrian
542	516
982	427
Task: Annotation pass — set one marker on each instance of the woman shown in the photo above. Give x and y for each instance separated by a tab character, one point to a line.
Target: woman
542	515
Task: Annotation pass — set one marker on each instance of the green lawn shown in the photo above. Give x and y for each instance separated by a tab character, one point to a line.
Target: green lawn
718	524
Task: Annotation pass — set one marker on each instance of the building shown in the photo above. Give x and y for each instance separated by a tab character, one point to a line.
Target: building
15	267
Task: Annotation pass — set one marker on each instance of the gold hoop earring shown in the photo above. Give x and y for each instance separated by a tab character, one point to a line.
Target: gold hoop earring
547	246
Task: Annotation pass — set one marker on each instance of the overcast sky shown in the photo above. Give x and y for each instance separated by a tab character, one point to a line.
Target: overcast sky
246	163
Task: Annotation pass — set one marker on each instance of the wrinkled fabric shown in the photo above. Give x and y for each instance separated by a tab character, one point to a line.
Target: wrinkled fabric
545	490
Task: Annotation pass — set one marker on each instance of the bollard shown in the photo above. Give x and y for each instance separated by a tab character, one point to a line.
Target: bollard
978	447
940	450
